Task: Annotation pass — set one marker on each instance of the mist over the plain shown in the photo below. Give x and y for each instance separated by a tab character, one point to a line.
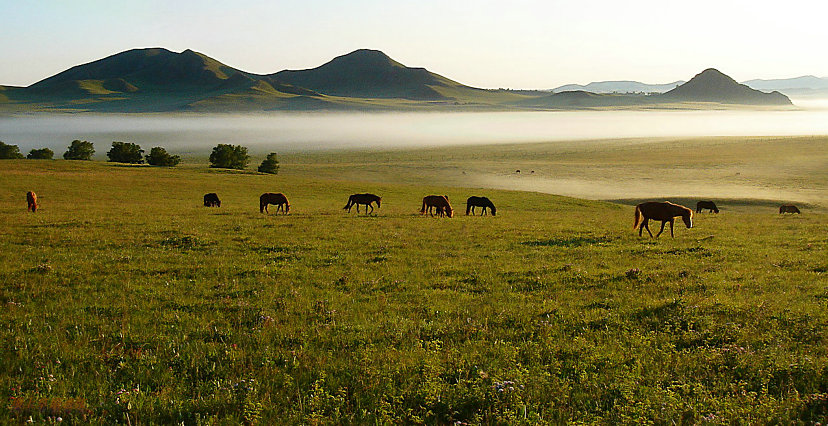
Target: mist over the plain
292	132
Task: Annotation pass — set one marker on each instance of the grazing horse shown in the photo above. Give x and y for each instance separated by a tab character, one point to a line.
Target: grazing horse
788	208
438	202
664	212
701	205
484	202
31	198
278	199
211	200
364	199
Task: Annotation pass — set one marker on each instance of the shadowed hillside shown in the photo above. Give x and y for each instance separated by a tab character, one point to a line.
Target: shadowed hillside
711	85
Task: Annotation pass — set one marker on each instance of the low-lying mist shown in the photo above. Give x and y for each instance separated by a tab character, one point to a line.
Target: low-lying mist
291	132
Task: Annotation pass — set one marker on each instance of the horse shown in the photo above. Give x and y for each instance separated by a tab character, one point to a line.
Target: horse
439	202
31	198
701	205
278	199
364	199
211	200
664	212
788	208
484	202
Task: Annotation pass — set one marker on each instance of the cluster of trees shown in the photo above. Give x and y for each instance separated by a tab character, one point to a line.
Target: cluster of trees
224	156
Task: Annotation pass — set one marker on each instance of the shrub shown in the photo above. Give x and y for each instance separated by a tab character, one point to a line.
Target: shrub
229	157
9	152
270	164
126	152
159	157
79	150
41	154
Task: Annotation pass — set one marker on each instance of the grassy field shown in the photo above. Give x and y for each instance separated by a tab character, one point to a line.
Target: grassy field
126	301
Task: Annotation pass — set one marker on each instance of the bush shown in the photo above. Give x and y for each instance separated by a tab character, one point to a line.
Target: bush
79	150
41	154
9	152
125	152
229	157
159	157
270	164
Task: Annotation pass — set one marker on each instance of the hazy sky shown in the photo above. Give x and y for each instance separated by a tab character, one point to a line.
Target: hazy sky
517	44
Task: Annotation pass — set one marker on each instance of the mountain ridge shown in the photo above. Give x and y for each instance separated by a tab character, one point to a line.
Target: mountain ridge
157	80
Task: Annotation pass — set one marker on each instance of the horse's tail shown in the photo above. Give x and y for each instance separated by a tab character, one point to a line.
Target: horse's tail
468	207
637	216
350	202
422	210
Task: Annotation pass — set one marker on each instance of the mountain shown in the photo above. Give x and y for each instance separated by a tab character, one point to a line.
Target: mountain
158	80
797	83
711	85
620	86
368	73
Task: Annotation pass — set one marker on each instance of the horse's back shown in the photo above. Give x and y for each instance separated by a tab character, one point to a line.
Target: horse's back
273	198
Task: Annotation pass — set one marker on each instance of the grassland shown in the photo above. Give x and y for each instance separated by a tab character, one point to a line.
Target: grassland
126	301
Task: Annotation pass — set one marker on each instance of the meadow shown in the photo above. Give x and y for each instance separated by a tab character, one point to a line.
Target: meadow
126	301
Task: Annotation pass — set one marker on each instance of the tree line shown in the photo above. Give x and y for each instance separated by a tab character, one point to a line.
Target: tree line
224	156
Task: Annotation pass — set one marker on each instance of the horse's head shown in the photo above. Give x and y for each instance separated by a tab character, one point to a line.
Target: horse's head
449	211
494	210
287	208
379	202
687	217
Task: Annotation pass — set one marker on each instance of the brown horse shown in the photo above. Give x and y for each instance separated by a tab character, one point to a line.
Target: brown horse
278	199
439	202
788	208
664	212
31	198
211	200
365	200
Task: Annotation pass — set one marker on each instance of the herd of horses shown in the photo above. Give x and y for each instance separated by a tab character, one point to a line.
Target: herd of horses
664	212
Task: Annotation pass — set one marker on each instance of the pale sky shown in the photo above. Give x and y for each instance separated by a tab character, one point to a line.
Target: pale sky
516	44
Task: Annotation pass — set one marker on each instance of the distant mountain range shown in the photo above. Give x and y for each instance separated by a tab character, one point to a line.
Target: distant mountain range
156	80
805	85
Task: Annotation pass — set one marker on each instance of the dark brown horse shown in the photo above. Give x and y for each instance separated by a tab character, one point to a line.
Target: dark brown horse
365	200
211	200
664	212
277	199
439	202
484	202
788	208
31	198
701	205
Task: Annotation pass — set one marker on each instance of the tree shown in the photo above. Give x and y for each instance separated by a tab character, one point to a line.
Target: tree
125	152
229	157
158	156
270	164
9	152
41	154
79	150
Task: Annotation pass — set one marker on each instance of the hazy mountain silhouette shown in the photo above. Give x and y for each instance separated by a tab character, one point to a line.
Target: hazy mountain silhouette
619	86
711	85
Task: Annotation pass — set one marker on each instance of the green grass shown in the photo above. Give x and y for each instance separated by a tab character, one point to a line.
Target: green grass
126	301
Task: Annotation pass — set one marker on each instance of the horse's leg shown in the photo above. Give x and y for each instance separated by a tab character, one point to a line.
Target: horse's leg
641	227
372	208
647	227
671	228
663	222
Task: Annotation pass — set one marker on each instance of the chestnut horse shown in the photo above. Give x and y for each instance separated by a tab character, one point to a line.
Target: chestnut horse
788	208
278	199
664	212
31	198
365	200
701	205
439	202
484	202
211	200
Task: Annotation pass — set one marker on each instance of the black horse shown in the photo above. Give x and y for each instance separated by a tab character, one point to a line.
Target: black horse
484	202
701	205
211	200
